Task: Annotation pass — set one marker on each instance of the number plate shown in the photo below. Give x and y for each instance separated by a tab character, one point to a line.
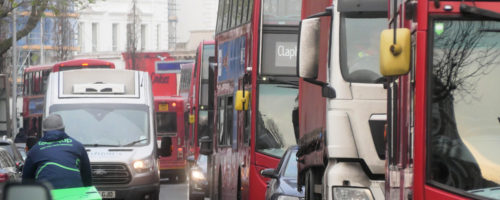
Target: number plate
107	194
163	107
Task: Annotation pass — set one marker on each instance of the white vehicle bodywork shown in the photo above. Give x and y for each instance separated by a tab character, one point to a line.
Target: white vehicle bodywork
110	86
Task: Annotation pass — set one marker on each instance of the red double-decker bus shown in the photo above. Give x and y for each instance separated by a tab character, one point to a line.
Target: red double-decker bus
35	85
169	113
255	95
443	111
200	93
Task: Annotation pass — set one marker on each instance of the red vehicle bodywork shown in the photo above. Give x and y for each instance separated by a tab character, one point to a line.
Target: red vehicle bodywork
145	61
312	112
194	98
236	165
413	95
173	105
82	63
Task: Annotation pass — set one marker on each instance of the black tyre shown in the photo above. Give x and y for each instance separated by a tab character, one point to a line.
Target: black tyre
155	195
310	181
238	194
219	187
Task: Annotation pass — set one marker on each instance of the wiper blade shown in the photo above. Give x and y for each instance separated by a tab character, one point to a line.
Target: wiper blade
100	145
490	30
277	80
472	10
135	142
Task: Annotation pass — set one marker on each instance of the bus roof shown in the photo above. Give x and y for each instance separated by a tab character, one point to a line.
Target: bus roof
206	42
83	62
36	68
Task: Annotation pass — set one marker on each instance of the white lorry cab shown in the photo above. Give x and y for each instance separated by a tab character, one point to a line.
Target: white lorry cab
111	113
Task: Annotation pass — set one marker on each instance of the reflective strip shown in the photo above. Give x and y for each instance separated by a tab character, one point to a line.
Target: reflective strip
56	164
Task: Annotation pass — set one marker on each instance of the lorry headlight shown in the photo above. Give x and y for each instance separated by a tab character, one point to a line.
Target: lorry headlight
284	197
142	166
352	193
197	175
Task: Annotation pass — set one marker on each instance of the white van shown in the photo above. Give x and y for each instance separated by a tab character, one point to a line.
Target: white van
111	113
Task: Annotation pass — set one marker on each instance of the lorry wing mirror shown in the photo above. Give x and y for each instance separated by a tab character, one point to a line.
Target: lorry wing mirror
166	146
242	100
269	173
308	50
205	145
395	58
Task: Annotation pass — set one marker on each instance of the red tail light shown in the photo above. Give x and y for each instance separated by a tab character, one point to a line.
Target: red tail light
4	177
180	154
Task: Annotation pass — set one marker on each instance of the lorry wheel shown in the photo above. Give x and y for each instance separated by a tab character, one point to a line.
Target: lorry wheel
155	195
311	181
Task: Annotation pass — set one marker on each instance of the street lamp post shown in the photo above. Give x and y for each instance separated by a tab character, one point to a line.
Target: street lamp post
14	73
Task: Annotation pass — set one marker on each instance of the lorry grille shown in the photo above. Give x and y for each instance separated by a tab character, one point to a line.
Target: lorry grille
377	128
106	174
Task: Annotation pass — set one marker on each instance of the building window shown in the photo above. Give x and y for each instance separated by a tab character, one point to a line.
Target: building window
94	36
80	35
157	37
130	40
115	37
143	36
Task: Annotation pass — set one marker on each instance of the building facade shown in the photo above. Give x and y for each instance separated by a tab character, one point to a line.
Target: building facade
104	28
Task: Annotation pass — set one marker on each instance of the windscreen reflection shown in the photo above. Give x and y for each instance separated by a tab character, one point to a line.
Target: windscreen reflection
275	131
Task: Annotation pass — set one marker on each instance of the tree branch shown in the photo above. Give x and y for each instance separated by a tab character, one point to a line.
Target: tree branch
37	9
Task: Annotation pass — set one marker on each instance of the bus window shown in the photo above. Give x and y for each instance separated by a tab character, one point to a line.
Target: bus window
166	122
45	77
66	68
282	12
220	124
208	50
225	19
219	17
275	131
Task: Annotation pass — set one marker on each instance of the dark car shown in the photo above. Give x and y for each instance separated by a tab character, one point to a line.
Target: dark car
283	183
198	183
12	149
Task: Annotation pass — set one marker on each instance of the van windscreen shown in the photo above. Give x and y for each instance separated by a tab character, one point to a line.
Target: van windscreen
94	125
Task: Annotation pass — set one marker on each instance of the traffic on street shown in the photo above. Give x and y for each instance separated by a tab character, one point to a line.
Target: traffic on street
249	99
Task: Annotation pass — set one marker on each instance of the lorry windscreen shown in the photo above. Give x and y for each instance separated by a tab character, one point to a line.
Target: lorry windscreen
359	46
96	124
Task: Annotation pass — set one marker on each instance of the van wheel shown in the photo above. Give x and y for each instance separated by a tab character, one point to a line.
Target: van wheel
311	181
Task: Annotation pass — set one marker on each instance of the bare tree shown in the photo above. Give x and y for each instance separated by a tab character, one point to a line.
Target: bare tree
461	56
64	27
36	8
133	27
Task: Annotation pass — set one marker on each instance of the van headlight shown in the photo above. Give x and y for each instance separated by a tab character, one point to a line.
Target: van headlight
141	166
352	193
197	175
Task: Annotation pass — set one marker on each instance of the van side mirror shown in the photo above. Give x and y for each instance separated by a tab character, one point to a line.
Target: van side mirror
14	191
166	146
395	58
308	50
206	145
269	173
